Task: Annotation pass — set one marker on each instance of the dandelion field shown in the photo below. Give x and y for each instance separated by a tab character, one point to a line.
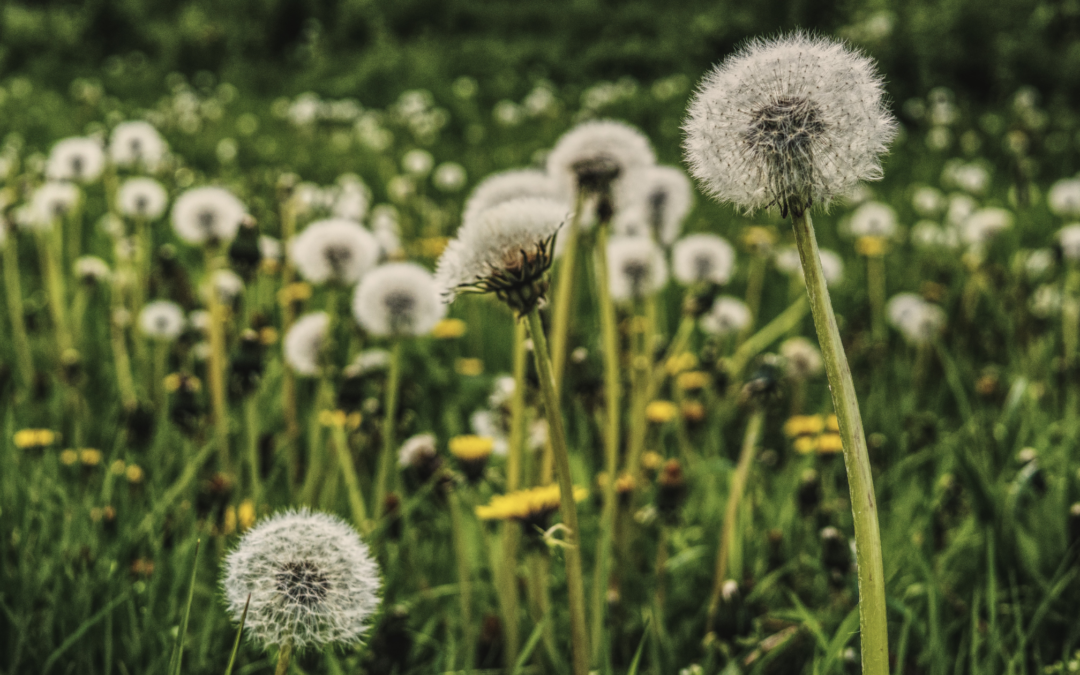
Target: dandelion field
267	325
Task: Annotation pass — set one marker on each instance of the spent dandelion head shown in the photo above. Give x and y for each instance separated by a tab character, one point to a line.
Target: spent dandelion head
137	143
509	185
802	358
310	579
873	219
728	316
1068	238
304	342
76	159
142	198
788	122
334	251
637	268
1064	198
702	258
506	251
51	202
658	196
91	270
398	299
595	155
207	216
162	320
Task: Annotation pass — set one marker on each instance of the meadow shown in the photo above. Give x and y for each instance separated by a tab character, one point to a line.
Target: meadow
137	448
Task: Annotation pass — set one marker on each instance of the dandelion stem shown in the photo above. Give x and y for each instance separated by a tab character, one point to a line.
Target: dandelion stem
216	364
875	287
612	396
464	573
348	472
251	421
288	383
564	295
873	620
284	657
507	572
572	551
124	381
13	286
731	511
386	458
755	284
517	410
54	281
769	333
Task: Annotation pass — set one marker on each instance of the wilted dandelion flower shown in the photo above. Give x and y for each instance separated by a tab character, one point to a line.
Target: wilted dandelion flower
507	250
310	579
802	358
1068	239
137	143
91	269
873	219
506	186
142	198
207	215
983	225
162	320
337	250
398	299
659	196
699	258
636	268
303	344
728	316
788	121
594	155
51	202
75	159
1064	198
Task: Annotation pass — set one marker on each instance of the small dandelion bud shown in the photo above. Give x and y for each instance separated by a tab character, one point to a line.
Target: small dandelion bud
310	579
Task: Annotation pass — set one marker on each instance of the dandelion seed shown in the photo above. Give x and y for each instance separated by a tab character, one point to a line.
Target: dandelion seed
636	268
142	198
334	251
702	258
594	156
310	579
303	344
727	317
137	143
162	320
788	122
75	159
398	299
658	196
207	216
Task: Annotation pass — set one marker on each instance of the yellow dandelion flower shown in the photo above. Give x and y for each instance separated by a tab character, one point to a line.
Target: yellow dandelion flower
871	247
625	483
26	439
828	444
759	238
803	425
172	382
332	418
525	504
693	411
269	265
432	247
448	329
469	367
268	335
659	412
295	292
352	422
651	460
681	362
246	514
90	456
69	457
134	473
228	525
471	448
804	445
638	324
692	380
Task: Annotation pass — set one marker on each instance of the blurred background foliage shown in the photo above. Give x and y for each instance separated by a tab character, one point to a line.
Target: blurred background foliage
982	49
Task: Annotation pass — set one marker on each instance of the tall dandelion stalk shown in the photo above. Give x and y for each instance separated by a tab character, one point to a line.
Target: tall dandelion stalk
13	289
790	122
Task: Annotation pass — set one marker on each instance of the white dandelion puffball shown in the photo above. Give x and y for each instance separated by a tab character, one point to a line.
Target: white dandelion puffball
91	269
901	307
636	268
1038	263
228	285
983	225
795	117
488	424
787	260
51	202
1064	198
76	159
802	358
926	234
728	316
353	199
660	196
137	143
922	323
960	207
506	186
207	215
1069	239
699	258
304	342
873	219
269	248
1045	302
449	177
162	320
508	243
367	362
417	163
398	299
928	202
142	198
595	155
311	580
416	450
336	250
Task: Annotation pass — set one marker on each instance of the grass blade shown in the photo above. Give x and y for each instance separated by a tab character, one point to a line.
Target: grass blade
530	645
81	630
239	634
178	646
640	648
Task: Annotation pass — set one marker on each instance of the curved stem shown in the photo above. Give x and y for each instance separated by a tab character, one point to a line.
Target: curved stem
872	617
769	333
572	550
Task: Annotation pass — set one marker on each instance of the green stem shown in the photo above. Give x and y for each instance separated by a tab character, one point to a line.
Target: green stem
755	284
464	573
872	617
612	396
251	421
124	381
517	410
284	657
564	295
54	281
875	286
771	332
731	512
216	364
386	459
572	551
12	284
352	482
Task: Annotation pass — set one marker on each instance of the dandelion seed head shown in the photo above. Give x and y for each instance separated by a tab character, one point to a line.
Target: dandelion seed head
596	155
91	269
873	219
207	215
228	285
304	342
137	143
398	299
142	198
728	316
698	258
311	580
636	268
336	250
50	202
1064	198
983	225
162	320
416	450
658	196
353	199
76	159
918	321
832	265
928	202
788	121
802	358
509	185
1068	239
